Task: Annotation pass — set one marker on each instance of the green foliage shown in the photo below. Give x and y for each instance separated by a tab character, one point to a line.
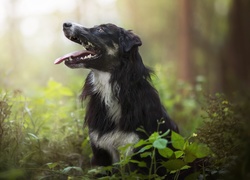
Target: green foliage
40	136
226	132
182	101
223	128
178	160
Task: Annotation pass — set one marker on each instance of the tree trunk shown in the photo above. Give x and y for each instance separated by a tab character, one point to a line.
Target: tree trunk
185	64
236	57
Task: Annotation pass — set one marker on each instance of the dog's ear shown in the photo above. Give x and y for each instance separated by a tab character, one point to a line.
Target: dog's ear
128	40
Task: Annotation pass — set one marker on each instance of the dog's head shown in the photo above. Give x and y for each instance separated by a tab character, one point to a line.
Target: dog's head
102	46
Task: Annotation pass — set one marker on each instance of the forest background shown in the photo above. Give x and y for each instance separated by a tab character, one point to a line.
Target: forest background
196	49
204	40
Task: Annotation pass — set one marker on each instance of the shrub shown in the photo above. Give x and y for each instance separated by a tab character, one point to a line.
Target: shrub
38	139
226	132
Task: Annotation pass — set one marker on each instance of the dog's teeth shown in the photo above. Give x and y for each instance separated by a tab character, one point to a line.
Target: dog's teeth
81	58
88	57
89	44
70	59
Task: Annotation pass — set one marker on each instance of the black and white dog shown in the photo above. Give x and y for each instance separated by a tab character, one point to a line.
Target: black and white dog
120	95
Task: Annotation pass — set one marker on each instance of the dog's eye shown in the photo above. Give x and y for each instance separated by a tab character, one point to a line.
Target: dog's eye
100	30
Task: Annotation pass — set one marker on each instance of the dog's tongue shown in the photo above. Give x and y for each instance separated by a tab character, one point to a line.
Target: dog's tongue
72	55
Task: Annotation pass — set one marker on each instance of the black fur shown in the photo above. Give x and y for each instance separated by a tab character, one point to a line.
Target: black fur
131	88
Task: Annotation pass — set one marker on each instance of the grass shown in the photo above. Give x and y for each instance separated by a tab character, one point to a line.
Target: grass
41	133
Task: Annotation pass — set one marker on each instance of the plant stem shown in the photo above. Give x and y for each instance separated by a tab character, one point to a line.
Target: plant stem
152	163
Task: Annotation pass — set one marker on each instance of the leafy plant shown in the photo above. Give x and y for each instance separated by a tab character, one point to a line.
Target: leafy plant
176	161
226	132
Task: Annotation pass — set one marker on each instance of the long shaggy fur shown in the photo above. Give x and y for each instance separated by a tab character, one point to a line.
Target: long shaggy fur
120	95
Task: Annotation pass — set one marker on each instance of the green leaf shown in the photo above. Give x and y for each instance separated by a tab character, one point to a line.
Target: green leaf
174	164
141	143
100	170
142	164
52	165
33	135
141	129
178	153
122	162
145	154
124	148
78	169
189	157
203	151
139	163
166	152
185	167
154	137
177	140
144	148
67	169
198	150
160	143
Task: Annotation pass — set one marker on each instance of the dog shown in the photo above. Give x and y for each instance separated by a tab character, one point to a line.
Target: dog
120	96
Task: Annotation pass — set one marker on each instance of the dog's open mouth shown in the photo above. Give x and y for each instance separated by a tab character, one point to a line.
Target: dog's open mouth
76	58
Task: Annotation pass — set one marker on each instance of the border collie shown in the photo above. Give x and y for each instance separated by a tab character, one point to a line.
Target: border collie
120	96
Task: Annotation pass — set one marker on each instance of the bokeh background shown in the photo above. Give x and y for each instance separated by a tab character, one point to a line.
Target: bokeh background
206	40
199	50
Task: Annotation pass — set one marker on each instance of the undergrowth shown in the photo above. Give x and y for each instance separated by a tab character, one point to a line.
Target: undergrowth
42	137
226	131
182	100
179	160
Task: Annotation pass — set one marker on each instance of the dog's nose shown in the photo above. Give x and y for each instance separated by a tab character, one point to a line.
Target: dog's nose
67	25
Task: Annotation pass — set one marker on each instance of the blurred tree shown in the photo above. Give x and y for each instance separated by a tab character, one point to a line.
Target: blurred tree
190	33
156	24
13	45
185	63
209	31
236	55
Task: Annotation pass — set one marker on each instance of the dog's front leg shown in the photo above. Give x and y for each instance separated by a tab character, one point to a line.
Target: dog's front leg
100	157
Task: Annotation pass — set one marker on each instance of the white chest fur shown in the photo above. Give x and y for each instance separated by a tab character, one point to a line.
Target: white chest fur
113	140
102	85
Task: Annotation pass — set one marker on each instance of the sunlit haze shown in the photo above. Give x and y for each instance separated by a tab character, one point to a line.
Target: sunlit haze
32	14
